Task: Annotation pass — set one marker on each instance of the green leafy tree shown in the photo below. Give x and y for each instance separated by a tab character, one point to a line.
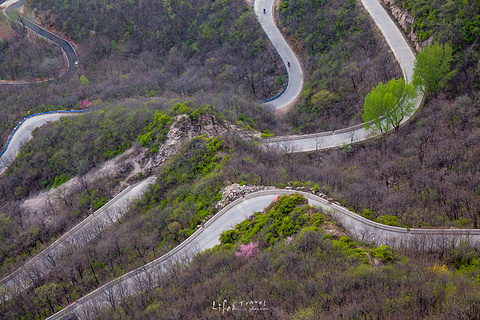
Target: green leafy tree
388	104
47	295
433	68
84	82
5	227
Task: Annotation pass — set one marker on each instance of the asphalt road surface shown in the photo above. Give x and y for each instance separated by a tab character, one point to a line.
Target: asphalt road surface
294	71
22	135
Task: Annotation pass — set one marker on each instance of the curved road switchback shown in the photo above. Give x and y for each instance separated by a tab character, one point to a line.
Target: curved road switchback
358	133
208	235
21	135
294	71
23	132
204	238
67	49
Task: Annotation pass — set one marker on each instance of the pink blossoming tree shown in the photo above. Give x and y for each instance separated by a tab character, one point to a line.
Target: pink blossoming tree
84	103
247	250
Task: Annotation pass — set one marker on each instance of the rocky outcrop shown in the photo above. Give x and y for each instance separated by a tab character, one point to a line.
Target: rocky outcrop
235	191
183	129
405	19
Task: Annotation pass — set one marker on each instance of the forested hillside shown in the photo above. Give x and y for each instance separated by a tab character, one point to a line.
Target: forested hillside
211	51
26	58
182	197
210	59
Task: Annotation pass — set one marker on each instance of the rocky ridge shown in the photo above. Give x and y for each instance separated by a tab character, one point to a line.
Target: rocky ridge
235	191
405	19
183	129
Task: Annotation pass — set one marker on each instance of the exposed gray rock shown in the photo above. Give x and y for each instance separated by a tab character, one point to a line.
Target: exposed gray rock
405	19
235	191
183	129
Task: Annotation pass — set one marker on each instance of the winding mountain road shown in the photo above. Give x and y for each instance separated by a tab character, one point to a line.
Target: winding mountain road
207	236
227	218
236	212
23	132
294	70
330	139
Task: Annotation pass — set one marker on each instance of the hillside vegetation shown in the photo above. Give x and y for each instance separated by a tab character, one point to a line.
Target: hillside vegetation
454	22
24	57
182	197
213	52
280	264
344	56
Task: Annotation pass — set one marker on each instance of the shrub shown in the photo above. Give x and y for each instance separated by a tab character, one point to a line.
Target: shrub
383	253
389	220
